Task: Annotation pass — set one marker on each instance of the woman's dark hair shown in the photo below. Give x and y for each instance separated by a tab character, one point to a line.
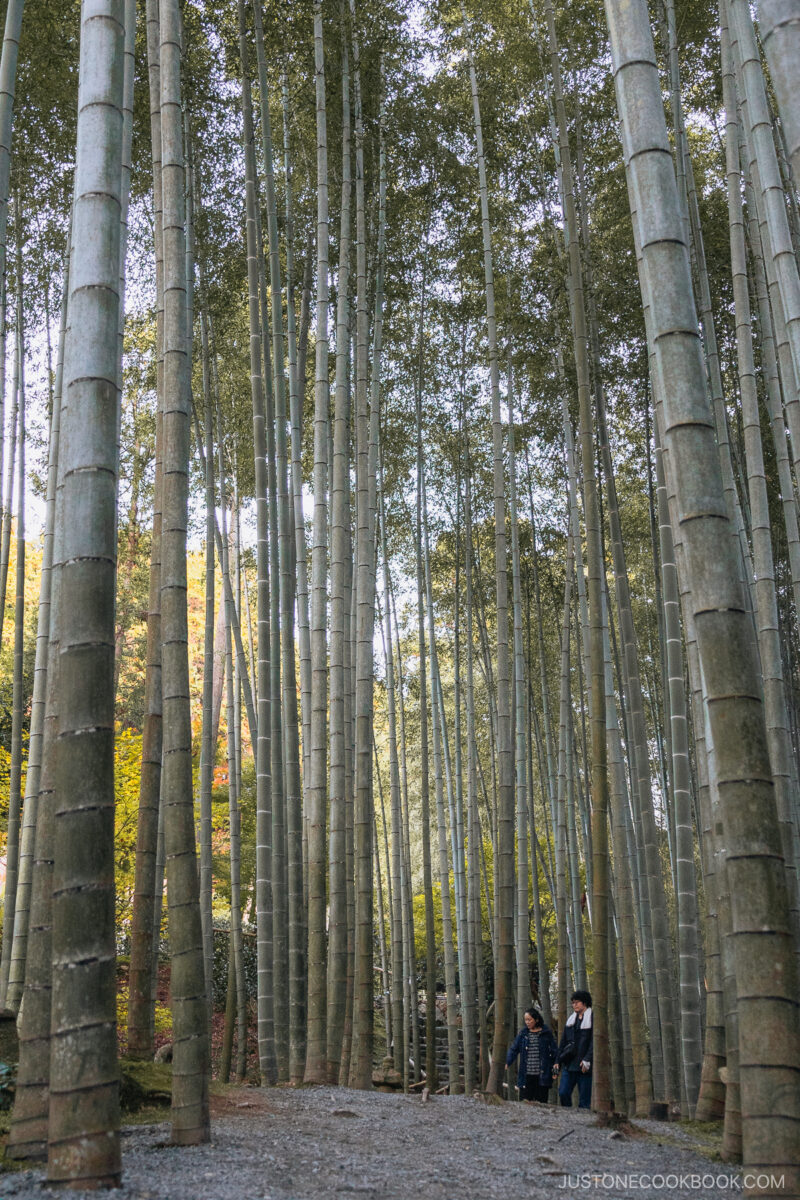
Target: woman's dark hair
584	997
537	1016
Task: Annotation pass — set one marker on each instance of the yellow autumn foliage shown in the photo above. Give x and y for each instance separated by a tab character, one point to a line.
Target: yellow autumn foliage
127	763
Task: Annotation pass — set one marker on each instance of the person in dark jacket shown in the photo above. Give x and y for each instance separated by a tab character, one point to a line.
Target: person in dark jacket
575	1053
535	1047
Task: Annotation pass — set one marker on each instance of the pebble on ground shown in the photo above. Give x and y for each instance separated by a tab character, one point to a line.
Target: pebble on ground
323	1142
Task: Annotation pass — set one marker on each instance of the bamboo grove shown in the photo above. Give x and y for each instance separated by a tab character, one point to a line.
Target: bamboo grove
409	400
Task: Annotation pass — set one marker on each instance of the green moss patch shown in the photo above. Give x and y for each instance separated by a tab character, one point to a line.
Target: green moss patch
144	1085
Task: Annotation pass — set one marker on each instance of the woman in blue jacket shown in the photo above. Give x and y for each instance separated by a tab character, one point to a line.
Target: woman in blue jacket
535	1047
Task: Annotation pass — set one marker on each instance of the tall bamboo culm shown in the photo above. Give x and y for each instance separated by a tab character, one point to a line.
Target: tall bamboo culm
8	87
769	1040
15	775
317	792
264	912
504	861
601	1097
779	25
140	1010
340	615
190	1118
19	951
83	1132
367	428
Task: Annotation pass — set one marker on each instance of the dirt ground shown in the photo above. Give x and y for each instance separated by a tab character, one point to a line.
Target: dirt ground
316	1143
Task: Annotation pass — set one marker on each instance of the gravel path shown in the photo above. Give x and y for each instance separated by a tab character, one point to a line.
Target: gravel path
316	1143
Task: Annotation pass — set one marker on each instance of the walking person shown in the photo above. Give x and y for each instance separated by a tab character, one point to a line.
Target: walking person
536	1049
575	1053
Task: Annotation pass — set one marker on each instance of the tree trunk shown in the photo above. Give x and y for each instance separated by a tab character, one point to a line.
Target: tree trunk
444	865
317	795
8	86
686	883
400	1013
775	710
143	935
473	818
504	860
286	783
15	777
522	939
631	979
190	1121
751	828
8	499
410	989
83	1130
294	807
340	615
208	741
560	831
367	428
264	909
387	1011
233	723
19	951
770	198
28	1134
779	25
